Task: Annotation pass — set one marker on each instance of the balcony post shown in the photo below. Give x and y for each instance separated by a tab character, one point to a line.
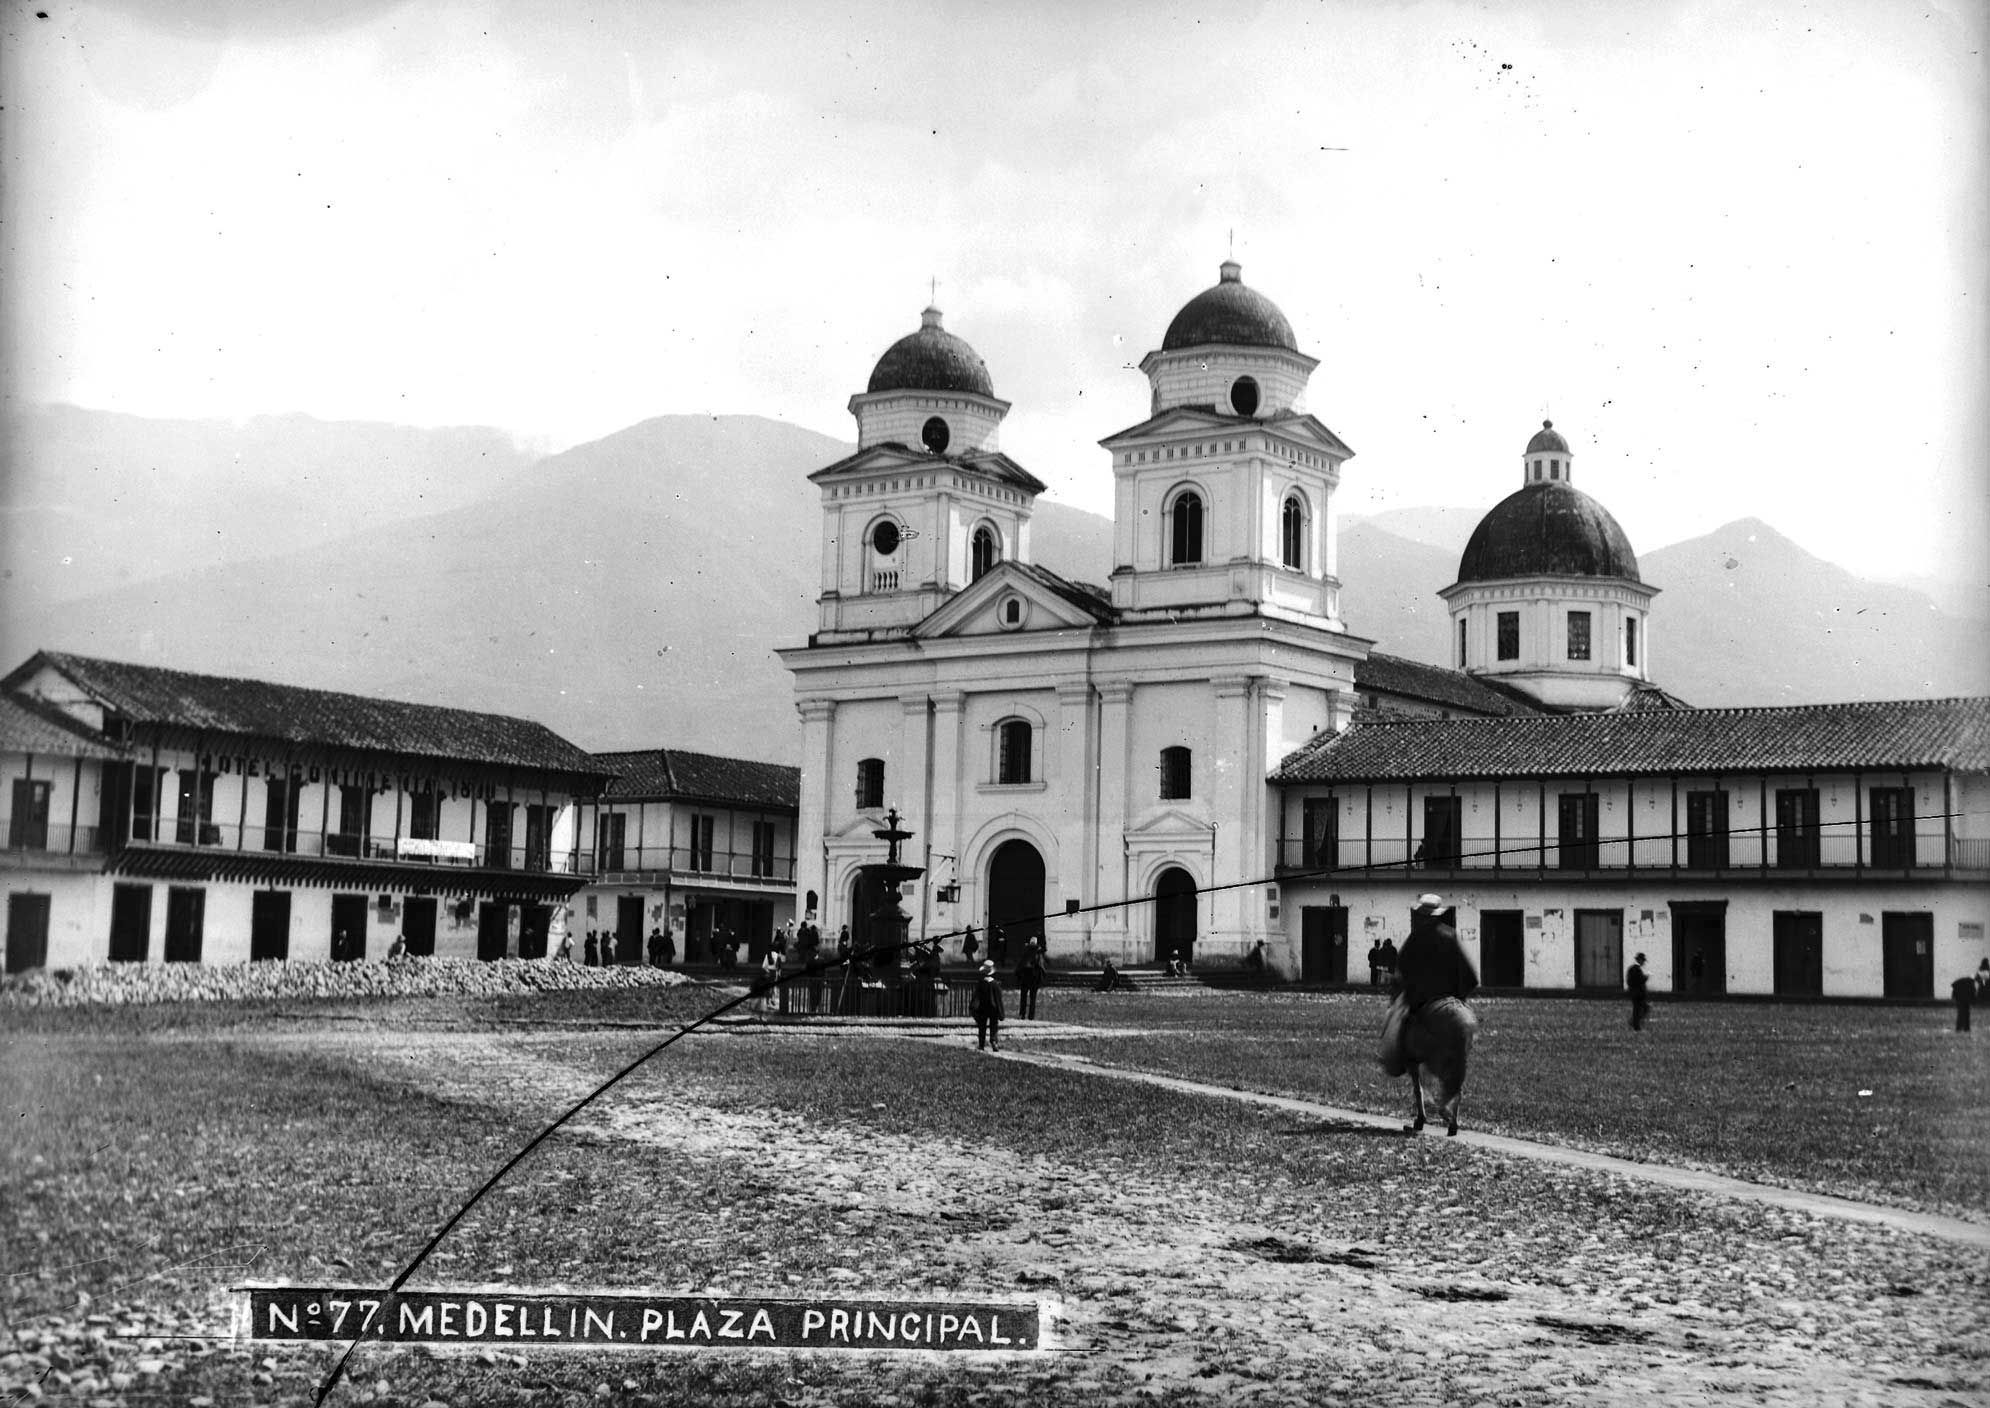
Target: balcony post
242	812
1675	824
1631	825
1948	823
1368	834
1859	825
1762	827
1498	845
75	803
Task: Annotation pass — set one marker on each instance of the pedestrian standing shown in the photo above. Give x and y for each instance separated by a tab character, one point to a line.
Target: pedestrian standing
1963	990
1388	956
669	949
1983	981
1029	977
998	945
1637	982
1375	965
986	1009
1697	969
970	945
770	980
566	953
591	953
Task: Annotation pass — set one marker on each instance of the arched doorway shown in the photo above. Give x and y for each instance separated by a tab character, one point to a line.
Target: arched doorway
1015	894
1174	915
867	896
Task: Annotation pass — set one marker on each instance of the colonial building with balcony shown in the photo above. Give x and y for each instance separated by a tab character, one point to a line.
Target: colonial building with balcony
692	845
157	815
1833	850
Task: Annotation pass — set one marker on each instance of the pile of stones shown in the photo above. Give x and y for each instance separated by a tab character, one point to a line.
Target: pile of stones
134	983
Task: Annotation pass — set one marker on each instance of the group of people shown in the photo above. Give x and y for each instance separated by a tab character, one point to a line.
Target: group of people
1382	960
660	950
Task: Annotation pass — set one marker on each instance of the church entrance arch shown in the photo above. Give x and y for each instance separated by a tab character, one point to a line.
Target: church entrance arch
867	896
1015	895
1174	915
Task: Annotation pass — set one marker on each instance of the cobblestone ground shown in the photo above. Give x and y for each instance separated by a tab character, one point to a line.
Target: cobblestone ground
1256	1292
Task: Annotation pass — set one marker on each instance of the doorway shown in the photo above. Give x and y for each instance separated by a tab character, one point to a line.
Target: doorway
629	928
535	925
186	922
1502	948
1015	894
493	930
1323	943
1174	916
131	923
418	925
1907	953
1599	948
1699	946
269	925
348	928
1799	940
27	932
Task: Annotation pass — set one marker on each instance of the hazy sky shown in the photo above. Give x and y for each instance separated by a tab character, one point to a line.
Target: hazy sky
1736	251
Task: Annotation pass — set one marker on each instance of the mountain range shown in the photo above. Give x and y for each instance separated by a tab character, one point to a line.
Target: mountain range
630	592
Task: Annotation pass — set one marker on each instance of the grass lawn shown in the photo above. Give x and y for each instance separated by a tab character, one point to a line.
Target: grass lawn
158	1156
1762	1091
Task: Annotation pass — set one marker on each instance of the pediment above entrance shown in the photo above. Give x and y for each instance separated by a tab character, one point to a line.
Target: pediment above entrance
1014	597
1171	825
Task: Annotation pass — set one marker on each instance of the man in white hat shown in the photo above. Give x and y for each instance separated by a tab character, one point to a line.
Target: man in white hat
1430	965
986	1008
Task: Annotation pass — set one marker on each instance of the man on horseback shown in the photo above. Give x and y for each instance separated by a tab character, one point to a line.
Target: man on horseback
1433	979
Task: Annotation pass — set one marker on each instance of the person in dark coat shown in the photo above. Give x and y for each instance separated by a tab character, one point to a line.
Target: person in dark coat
1963	990
1390	957
1696	969
1637	981
1029	977
1375	965
590	956
970	945
1108	977
1431	965
998	945
669	950
986	1009
1983	981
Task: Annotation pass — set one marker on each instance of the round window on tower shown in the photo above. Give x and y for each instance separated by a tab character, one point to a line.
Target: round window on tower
884	538
1244	396
934	435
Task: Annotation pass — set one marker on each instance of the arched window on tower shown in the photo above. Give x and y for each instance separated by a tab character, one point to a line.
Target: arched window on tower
1292	532
1012	751
1185	529
986	553
1175	774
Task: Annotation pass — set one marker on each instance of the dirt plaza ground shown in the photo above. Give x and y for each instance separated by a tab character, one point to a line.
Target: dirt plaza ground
1198	1243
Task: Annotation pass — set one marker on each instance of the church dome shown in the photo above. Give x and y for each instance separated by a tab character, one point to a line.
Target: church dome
931	359
1229	314
1549	528
1547	440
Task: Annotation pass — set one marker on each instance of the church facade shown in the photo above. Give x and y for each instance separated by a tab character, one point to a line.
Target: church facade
1198	756
1088	762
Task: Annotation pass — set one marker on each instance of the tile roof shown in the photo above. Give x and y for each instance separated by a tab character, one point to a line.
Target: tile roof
1095	602
673	772
1392	674
147	694
28	726
1898	735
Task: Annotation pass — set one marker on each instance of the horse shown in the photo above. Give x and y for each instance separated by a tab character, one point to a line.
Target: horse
1436	1039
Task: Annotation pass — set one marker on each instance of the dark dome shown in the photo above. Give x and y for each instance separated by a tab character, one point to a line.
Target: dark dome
1548	438
1229	313
931	359
1549	528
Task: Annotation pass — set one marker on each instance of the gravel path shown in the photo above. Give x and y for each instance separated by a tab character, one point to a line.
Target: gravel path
1256	1293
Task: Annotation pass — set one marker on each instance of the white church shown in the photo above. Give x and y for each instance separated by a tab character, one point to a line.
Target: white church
1152	767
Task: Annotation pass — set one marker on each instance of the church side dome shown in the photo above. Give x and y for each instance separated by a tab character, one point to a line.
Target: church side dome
1230	315
1549	528
931	359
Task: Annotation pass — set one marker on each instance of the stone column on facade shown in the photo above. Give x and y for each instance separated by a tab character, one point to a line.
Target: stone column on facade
1109	926
812	824
1281	940
915	800
943	816
1238	788
1076	819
